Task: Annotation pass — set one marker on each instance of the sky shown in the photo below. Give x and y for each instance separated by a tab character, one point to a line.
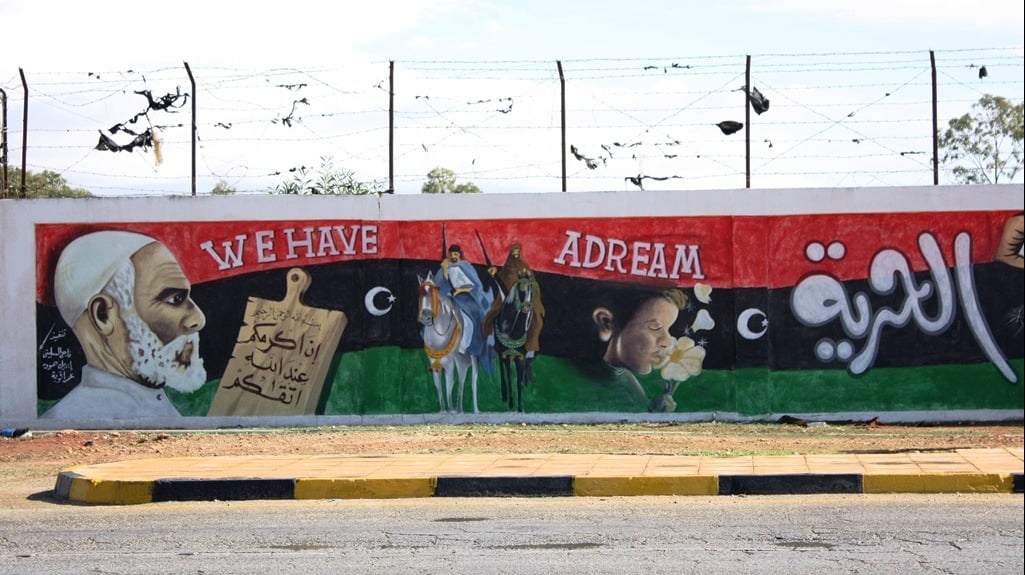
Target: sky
304	83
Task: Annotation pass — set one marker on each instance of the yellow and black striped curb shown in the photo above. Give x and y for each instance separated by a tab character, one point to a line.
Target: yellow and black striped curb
76	487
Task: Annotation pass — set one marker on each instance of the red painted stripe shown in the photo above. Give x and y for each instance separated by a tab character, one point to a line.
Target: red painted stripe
721	251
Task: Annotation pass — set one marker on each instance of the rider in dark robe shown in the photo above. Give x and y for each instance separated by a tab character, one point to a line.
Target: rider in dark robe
513	270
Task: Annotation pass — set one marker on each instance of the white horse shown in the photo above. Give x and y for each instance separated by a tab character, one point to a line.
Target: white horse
442	331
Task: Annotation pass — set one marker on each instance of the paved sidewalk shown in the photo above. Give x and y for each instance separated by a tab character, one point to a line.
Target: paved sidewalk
540	475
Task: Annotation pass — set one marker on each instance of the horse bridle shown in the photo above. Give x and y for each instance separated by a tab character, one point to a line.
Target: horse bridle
432	353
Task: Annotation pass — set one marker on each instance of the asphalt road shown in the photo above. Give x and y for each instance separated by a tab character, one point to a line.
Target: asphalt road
908	534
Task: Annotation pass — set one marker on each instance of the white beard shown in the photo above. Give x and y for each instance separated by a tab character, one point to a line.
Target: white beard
158	363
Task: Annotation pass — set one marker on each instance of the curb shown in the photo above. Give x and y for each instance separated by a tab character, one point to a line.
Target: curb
76	487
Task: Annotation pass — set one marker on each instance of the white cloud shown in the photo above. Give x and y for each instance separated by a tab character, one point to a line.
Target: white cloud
339	52
120	34
934	15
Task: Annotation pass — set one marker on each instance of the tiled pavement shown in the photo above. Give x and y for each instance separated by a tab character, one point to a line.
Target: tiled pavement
548	475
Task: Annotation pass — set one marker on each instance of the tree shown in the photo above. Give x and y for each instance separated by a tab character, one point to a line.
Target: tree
327	180
222	188
985	145
443	181
45	184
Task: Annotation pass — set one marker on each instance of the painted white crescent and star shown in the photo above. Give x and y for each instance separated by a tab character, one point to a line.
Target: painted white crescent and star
370	301
744	323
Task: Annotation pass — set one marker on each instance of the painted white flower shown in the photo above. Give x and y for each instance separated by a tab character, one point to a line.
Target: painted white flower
683	361
703	321
703	292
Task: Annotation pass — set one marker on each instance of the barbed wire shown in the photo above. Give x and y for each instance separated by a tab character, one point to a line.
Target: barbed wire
835	119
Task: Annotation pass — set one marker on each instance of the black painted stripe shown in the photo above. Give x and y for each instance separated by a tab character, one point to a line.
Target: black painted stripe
1019	482
222	489
551	486
790	484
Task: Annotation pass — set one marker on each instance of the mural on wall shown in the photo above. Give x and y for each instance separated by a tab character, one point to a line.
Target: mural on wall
744	314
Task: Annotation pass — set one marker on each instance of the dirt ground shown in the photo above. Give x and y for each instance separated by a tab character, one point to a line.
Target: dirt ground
29	465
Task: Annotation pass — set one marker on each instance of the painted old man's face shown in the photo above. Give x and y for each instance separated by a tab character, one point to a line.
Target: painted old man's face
164	328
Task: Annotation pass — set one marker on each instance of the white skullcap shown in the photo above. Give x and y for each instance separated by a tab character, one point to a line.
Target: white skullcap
87	264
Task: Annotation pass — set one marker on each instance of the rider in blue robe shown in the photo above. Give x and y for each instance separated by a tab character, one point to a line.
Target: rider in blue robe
457	277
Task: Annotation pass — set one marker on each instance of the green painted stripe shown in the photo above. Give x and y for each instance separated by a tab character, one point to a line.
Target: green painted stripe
391	380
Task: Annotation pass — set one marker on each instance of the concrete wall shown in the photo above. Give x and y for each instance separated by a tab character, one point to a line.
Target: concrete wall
828	304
